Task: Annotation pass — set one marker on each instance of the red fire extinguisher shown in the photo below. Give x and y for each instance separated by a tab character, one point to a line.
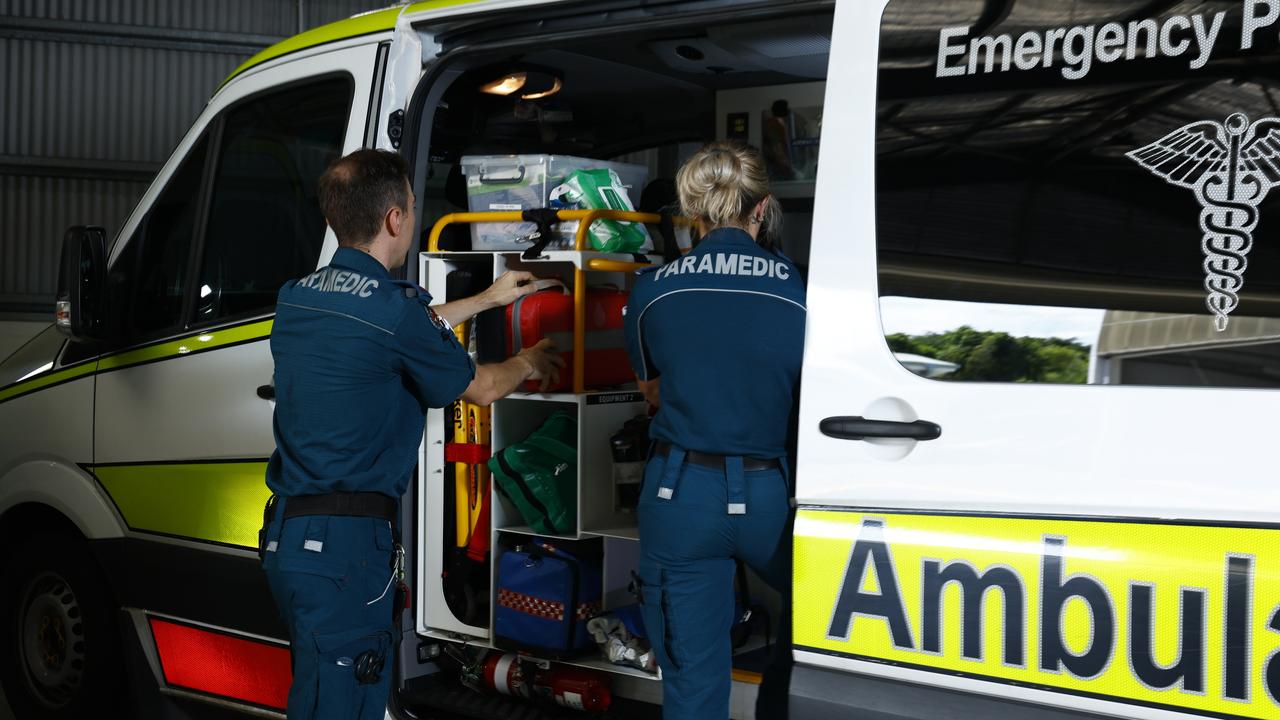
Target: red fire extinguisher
564	685
504	674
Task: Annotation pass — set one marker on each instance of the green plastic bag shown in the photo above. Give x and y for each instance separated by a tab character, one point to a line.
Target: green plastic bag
539	475
602	189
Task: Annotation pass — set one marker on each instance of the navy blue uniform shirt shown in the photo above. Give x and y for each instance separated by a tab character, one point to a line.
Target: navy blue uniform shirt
724	328
359	357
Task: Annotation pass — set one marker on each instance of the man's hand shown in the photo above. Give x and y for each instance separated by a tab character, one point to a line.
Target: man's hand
496	381
509	287
504	291
544	361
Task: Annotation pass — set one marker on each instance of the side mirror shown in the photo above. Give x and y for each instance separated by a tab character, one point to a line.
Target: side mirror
81	304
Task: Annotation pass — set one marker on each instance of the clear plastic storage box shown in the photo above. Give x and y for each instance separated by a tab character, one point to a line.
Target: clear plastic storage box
525	182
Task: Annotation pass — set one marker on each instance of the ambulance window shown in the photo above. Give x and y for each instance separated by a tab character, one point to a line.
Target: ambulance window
147	282
265	225
1076	191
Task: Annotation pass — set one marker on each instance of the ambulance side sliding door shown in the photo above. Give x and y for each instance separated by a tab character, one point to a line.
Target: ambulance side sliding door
1036	453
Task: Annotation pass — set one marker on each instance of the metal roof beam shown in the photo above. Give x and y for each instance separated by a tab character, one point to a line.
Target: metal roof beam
133	35
120	170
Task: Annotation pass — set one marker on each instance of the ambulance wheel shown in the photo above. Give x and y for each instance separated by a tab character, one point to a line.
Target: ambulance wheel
59	644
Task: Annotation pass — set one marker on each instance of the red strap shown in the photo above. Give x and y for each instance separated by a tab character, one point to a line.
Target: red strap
466	453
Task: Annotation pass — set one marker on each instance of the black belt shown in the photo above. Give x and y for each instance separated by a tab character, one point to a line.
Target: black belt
350	504
716	462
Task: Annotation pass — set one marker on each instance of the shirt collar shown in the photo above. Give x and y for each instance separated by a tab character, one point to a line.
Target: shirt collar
727	236
360	261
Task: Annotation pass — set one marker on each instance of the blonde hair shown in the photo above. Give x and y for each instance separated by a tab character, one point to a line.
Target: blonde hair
722	183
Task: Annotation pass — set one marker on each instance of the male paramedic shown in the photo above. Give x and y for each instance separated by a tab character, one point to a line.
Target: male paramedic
359	357
716	339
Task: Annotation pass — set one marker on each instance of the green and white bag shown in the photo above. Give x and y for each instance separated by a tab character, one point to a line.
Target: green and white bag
601	189
539	475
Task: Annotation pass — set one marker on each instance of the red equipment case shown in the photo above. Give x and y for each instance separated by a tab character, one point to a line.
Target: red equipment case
549	314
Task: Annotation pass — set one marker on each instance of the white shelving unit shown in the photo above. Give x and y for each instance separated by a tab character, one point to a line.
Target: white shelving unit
599	413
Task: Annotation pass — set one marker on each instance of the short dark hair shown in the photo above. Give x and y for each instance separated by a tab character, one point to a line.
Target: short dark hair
357	190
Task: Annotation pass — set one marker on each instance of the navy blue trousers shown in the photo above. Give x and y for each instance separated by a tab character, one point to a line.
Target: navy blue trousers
329	576
688	542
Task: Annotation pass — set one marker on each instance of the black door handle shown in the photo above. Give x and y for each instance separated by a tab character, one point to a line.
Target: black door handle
267	392
856	427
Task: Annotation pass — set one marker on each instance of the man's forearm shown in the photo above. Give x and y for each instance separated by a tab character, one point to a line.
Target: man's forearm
497	380
460	311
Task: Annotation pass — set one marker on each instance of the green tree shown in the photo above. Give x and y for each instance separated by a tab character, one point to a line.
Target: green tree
1064	363
1000	357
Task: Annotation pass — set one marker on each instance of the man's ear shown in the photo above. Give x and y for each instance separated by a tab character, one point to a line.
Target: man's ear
392	220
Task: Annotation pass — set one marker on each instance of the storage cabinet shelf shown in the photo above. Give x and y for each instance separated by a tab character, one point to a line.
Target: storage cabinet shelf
594	397
526	530
599	412
581	259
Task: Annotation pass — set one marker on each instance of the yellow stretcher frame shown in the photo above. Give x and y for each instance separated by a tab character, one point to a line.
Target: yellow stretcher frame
470	425
599	264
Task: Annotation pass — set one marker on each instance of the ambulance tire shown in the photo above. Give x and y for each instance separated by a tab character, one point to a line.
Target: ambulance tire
55	609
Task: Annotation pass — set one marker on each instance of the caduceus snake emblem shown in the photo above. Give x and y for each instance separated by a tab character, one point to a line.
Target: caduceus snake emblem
1231	167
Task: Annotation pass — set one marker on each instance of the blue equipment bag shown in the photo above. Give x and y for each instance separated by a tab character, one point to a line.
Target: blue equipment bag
546	595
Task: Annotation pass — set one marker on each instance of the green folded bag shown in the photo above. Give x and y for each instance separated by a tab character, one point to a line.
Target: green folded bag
539	475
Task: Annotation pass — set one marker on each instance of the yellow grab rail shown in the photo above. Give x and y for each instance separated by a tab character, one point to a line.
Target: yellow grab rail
606	265
585	218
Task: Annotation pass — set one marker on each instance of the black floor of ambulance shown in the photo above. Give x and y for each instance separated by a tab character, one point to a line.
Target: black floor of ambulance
447	700
456	703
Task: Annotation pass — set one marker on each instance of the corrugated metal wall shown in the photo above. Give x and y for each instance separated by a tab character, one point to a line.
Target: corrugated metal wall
94	95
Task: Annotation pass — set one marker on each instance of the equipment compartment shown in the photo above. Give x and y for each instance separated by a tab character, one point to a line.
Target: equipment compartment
600	414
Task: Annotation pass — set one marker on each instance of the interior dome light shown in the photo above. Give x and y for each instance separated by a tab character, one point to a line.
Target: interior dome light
538	94
505	85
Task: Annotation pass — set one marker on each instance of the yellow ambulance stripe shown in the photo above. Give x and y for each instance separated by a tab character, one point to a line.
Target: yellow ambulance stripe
217	502
364	24
196	342
182	346
47	379
1177	616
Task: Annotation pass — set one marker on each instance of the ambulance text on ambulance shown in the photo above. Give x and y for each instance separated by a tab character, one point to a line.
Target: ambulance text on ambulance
1235	621
1076	48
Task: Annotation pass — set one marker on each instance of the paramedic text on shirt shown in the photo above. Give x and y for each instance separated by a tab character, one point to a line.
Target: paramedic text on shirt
359	357
716	339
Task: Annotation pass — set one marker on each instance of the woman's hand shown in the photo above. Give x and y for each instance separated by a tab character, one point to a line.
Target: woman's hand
650	390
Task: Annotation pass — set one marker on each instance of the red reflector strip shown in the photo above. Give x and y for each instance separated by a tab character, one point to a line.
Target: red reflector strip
219	664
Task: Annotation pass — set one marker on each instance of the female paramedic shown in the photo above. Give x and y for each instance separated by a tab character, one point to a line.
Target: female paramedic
716	339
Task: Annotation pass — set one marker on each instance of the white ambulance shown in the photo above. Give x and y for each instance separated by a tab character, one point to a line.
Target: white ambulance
997	541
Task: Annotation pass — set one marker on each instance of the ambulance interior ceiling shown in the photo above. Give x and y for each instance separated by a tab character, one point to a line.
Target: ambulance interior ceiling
988	177
624	93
